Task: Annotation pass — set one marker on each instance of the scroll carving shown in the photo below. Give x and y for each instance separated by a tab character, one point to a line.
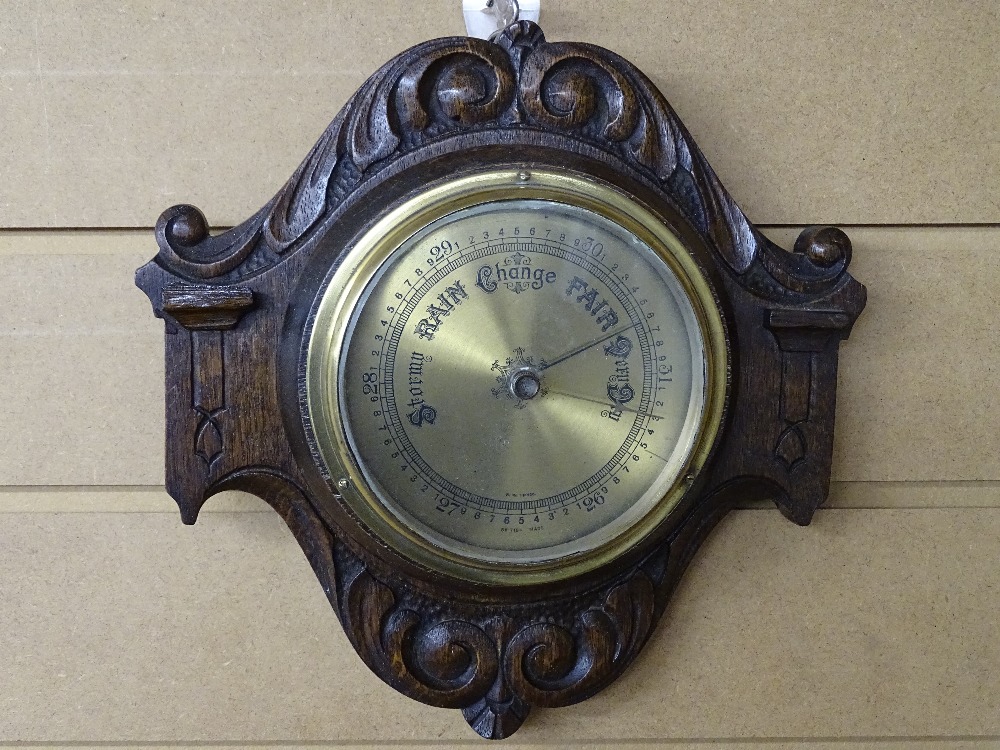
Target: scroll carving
448	664
551	667
451	86
493	664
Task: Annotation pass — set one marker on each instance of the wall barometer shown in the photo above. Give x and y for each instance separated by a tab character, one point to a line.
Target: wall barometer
512	374
501	353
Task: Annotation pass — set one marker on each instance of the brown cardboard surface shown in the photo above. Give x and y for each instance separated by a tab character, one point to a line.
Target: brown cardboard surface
830	112
18	43
124	145
83	360
117	499
24	144
707	744
914	495
82	356
127	499
919	373
134	628
82	409
232	37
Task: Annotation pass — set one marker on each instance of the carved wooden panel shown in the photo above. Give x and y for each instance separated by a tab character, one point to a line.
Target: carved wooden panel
235	306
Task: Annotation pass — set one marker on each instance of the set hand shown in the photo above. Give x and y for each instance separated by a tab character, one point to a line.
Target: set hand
584	347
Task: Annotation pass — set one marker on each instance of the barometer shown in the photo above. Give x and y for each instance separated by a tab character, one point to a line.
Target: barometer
501	352
513	374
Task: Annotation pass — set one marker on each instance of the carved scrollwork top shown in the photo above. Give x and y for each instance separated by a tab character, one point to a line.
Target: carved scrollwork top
816	265
563	88
444	87
299	204
461	85
187	248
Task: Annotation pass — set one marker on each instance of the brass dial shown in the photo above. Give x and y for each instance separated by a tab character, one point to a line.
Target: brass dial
523	381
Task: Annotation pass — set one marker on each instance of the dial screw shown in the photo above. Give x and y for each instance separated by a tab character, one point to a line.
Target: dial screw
343	484
525	385
524	175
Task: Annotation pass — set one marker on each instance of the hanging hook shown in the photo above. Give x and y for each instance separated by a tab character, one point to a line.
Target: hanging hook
485	19
505	12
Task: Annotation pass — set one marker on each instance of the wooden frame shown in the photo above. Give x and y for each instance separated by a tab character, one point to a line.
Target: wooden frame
235	306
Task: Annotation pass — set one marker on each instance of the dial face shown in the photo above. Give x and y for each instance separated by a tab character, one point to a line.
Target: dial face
522	380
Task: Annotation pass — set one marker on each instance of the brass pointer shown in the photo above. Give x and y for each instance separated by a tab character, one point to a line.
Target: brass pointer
583	348
613	404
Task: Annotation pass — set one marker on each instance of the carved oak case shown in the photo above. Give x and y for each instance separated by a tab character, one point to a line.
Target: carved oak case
236	307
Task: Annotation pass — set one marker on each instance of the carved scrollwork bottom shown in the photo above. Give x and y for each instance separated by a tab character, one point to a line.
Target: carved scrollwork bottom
549	665
495	720
449	663
493	665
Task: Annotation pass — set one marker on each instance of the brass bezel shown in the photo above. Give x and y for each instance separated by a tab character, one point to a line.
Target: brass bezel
340	296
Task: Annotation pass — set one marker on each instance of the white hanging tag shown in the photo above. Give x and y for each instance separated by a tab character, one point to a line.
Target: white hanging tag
483	18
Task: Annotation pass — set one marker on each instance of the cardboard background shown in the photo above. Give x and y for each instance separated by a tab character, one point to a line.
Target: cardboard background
876	627
811	112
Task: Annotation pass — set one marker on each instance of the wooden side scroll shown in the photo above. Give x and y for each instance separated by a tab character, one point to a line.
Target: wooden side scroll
232	311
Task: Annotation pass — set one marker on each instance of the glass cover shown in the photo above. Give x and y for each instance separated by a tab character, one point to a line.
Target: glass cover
522	380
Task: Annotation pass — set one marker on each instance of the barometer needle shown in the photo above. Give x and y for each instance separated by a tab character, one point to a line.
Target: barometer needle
605	404
583	348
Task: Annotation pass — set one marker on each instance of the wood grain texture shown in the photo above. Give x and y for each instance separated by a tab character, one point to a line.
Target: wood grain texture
846	98
930	291
133	628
